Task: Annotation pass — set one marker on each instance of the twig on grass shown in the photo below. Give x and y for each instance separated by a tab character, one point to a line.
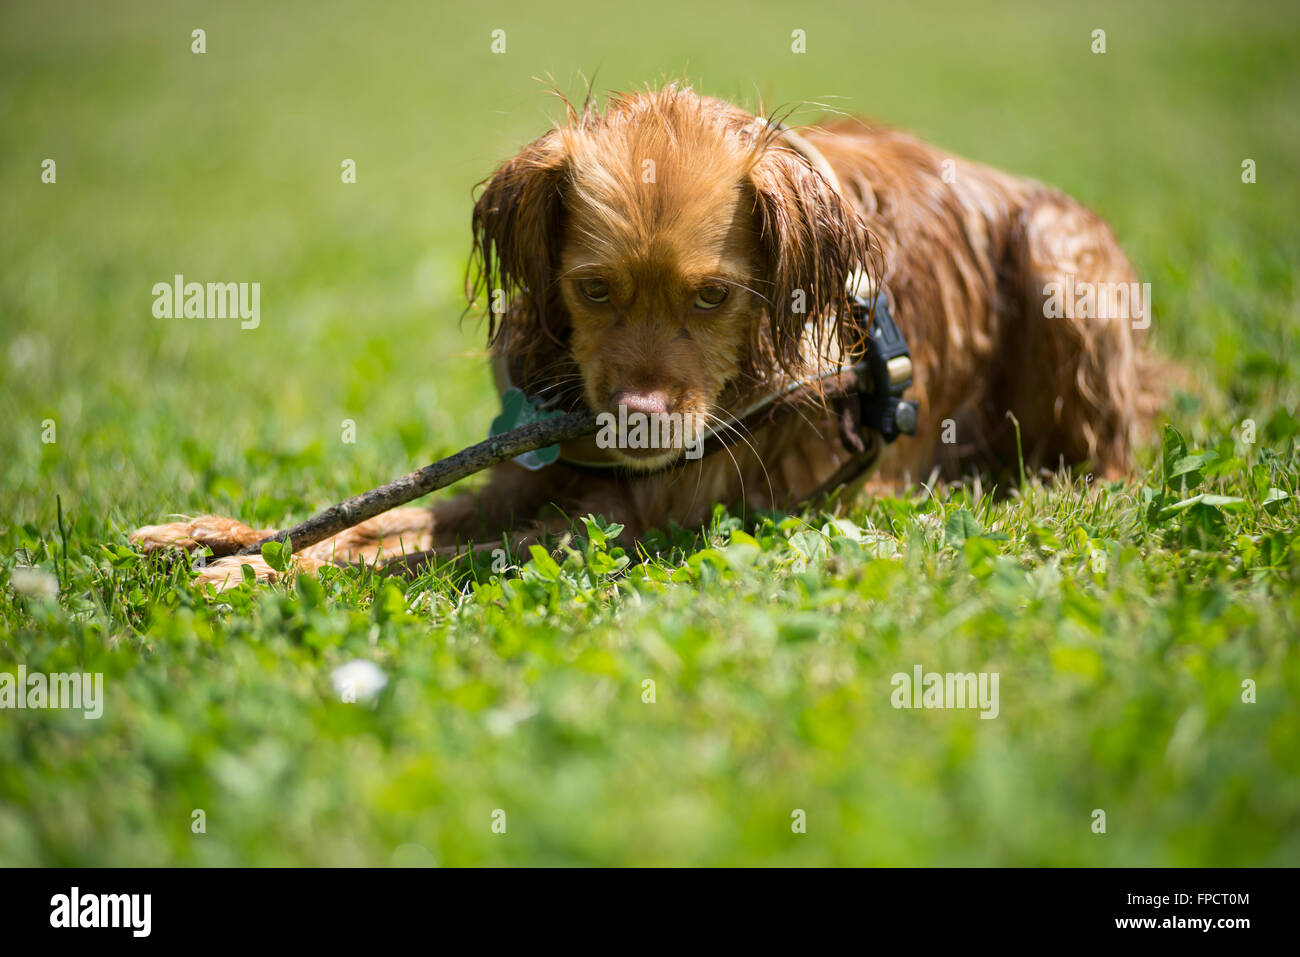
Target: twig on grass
444	472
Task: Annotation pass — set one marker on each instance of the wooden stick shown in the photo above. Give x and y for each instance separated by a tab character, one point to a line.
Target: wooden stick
489	452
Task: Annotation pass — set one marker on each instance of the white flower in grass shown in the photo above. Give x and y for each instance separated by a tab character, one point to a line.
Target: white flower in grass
358	680
34	582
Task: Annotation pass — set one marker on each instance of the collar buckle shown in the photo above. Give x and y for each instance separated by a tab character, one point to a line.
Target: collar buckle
889	363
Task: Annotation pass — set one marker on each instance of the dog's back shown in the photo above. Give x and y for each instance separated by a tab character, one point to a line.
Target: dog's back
1014	298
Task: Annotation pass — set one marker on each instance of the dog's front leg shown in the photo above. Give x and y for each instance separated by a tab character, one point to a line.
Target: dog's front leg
402	537
397	531
223	536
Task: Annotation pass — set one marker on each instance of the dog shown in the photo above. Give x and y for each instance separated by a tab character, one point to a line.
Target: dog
676	257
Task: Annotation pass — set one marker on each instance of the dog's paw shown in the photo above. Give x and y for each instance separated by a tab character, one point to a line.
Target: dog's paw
228	572
222	535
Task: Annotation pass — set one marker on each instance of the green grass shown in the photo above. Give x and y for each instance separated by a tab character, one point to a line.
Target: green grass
1121	622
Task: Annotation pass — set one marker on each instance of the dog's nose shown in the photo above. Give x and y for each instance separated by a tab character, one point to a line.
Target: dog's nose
647	403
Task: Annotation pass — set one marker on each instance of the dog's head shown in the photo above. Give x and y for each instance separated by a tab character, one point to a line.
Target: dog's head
658	254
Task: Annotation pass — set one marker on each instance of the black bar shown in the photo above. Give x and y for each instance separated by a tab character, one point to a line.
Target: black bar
910	908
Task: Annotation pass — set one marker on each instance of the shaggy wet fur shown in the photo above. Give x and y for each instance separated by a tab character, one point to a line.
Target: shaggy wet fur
607	241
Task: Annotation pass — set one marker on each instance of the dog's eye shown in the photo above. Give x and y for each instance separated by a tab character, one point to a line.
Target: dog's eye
710	297
597	290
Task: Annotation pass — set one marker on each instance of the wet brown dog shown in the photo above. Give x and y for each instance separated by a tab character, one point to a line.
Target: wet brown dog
674	254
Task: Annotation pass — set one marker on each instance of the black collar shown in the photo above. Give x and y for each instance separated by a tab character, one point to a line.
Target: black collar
889	363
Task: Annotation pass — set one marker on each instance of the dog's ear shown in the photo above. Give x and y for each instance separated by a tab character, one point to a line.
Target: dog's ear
516	224
813	241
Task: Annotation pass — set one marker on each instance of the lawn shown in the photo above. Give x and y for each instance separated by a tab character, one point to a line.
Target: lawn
684	705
